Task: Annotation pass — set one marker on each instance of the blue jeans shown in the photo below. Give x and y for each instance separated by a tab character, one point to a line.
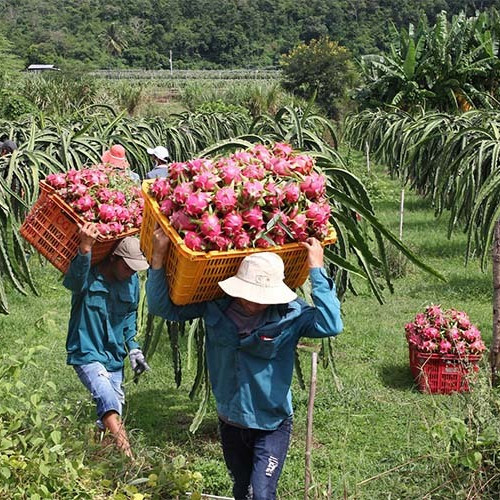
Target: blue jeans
255	458
105	387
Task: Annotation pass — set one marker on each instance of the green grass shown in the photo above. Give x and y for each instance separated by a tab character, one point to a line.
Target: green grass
375	437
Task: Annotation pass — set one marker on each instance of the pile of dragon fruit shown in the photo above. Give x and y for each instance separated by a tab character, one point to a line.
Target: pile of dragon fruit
102	195
444	332
260	197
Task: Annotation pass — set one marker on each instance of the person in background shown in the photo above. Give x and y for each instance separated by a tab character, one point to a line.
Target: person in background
102	325
159	156
251	336
7	147
116	156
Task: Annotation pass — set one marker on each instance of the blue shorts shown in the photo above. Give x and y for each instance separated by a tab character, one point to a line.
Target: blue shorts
105	387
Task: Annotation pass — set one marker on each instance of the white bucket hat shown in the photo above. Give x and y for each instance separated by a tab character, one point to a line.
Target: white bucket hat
260	279
159	151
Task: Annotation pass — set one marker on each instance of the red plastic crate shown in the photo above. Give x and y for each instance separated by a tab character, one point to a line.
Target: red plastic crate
442	373
51	227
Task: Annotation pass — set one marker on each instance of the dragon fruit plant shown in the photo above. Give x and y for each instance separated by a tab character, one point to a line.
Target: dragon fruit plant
102	195
444	332
261	197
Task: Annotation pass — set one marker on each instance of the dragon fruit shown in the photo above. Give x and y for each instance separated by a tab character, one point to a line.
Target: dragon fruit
232	202
104	196
196	203
444	332
210	226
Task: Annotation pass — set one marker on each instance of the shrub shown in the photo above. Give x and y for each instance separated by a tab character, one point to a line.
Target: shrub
44	451
323	67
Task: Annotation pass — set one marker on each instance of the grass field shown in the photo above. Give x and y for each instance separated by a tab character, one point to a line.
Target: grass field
375	435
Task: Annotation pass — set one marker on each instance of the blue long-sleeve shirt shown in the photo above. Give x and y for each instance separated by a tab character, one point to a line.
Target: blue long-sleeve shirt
251	376
103	318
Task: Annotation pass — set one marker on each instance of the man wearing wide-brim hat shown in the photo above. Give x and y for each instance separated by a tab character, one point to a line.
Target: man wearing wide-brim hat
251	336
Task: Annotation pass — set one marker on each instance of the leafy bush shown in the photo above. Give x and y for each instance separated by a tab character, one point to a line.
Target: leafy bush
44	451
219	106
322	67
14	106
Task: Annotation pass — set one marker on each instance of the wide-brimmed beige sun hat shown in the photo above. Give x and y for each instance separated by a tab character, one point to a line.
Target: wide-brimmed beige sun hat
260	279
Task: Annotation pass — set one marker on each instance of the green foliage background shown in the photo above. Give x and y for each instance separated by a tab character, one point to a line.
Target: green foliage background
202	33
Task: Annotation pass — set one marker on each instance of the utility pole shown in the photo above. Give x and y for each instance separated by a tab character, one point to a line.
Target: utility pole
170	61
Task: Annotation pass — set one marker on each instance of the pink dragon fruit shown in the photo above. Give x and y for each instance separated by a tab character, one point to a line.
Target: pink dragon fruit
181	192
225	199
210	226
229	171
56	180
84	203
106	212
196	203
205	181
193	241
181	221
241	240
254	218
167	207
252	190
177	170
232	223
313	186
160	189
444	332
291	193
445	346
282	149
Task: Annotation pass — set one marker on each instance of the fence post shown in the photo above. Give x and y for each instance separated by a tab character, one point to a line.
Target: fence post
309	432
495	342
401	213
367	149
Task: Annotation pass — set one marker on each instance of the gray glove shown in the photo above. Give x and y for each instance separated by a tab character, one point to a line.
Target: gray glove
138	361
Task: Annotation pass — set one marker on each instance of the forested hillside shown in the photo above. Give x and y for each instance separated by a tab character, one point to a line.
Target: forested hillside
202	33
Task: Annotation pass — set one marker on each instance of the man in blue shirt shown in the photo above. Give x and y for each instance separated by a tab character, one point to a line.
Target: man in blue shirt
251	336
102	325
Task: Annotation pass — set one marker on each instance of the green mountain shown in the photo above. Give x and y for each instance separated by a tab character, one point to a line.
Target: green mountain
202	33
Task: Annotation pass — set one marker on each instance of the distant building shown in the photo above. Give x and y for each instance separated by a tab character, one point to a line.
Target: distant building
42	67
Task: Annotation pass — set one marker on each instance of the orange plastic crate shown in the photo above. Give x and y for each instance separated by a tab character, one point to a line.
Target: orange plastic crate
442	373
51	227
194	276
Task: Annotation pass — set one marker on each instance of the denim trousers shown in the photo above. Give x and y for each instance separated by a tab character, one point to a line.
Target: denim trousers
255	458
105	387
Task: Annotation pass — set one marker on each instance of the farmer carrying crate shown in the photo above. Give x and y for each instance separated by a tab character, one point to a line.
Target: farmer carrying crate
251	336
102	325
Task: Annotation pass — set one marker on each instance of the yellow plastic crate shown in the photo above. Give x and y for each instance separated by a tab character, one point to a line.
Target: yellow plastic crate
193	276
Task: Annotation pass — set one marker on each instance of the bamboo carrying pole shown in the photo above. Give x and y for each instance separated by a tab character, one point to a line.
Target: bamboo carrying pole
310	407
495	343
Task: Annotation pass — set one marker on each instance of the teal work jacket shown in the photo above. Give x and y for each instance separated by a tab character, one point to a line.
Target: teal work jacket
251	376
102	324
